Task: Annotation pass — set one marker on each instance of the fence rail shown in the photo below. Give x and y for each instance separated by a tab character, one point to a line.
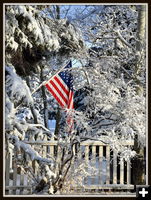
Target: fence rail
112	172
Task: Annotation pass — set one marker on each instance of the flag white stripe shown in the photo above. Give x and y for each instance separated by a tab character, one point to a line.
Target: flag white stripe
60	88
57	94
63	83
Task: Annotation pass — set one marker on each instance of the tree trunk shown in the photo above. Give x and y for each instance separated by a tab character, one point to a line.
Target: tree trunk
139	161
44	100
57	12
58	117
138	165
141	26
141	30
32	106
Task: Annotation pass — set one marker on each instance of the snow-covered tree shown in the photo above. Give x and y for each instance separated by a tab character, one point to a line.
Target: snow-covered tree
33	41
117	74
109	81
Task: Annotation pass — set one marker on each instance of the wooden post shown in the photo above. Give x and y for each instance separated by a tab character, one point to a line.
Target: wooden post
14	175
114	168
93	162
58	117
87	161
101	164
58	159
121	171
22	176
7	171
52	150
128	172
7	167
108	165
18	181
44	147
87	154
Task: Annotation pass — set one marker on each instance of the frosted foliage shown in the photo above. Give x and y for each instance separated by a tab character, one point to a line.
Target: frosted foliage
128	112
78	173
113	108
27	27
16	88
9	114
34	155
25	114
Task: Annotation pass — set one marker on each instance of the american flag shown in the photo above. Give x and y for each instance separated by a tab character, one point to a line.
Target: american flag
61	87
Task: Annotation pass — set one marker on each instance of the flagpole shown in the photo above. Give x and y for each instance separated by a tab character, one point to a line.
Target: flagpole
44	82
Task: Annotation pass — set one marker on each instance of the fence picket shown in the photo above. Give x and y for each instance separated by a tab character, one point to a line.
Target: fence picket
93	163
52	147
86	161
121	171
58	158
108	165
7	167
114	168
101	164
128	172
44	147
14	176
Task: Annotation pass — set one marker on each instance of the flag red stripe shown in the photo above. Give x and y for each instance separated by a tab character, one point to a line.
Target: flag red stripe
62	86
54	94
71	104
60	93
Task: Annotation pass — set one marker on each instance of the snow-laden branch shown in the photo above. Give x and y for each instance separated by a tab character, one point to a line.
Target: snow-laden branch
30	151
17	88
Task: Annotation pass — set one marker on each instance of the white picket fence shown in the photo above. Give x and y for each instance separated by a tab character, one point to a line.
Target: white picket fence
112	172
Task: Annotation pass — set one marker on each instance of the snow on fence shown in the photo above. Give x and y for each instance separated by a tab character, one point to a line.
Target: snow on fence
110	173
